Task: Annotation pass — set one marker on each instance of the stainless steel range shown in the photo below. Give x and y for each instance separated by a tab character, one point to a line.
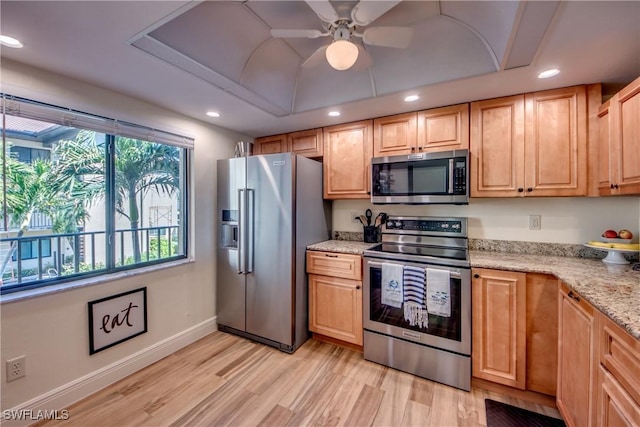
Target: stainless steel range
417	299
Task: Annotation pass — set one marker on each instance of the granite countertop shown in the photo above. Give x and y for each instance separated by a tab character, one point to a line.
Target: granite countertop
341	246
613	289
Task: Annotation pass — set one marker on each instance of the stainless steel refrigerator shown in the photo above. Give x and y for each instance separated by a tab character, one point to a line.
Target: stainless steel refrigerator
270	208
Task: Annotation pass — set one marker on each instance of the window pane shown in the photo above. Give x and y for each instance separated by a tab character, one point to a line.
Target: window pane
148	191
55	189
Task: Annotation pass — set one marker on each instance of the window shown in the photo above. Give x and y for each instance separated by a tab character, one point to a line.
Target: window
29	249
84	195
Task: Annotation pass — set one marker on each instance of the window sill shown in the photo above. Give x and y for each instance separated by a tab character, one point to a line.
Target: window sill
80	283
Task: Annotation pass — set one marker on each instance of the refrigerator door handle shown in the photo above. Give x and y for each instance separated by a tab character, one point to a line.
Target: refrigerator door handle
250	215
242	221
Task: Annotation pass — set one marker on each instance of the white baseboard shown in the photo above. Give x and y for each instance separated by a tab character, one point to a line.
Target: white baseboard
82	387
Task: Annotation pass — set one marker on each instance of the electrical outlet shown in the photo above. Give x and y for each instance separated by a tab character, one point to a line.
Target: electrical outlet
535	222
16	368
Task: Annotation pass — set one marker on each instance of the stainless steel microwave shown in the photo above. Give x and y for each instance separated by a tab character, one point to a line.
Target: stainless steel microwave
425	178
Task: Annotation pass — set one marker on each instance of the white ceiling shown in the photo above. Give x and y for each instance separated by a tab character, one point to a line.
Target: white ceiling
193	57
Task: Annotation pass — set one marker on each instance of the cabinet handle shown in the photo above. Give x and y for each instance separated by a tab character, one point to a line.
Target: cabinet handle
612	186
419	148
357	287
616	186
573	296
529	189
520	190
331	256
413	149
476	276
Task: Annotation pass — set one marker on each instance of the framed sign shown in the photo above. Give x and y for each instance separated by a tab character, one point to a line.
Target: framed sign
117	318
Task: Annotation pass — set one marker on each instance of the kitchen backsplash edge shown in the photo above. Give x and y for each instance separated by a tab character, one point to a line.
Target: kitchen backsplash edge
521	247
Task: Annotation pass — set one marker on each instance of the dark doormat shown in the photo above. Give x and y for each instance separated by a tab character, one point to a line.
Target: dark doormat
502	415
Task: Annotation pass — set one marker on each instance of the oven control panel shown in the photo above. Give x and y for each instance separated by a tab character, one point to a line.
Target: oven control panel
425	225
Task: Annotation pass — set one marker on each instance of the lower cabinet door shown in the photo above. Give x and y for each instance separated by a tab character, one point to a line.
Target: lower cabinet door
615	407
499	326
335	308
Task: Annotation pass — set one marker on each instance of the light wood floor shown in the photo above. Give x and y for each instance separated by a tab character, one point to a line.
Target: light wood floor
226	380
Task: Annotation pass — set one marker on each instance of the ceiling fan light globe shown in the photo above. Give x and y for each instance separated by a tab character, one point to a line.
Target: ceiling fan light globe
342	54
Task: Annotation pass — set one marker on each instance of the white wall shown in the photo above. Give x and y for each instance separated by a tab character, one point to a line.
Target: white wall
52	330
564	220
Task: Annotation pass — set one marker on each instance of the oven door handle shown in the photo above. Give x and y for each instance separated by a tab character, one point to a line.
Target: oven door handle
453	274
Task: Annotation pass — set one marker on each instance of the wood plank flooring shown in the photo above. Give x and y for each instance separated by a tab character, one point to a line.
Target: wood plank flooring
227	380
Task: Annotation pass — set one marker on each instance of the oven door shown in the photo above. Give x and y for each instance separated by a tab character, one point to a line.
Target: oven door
449	333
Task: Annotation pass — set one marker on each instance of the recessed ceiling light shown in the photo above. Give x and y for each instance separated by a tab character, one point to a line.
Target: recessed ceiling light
10	42
549	73
411	98
334	113
213	114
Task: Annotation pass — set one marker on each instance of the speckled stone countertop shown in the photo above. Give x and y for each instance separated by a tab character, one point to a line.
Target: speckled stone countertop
341	246
613	289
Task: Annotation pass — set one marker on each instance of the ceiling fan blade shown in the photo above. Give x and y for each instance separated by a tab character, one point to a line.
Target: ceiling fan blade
365	12
324	10
399	37
316	58
312	34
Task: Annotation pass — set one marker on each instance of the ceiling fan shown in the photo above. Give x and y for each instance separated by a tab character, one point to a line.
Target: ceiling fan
343	25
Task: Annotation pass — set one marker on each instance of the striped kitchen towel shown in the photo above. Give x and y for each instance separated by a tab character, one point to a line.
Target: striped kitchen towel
415	308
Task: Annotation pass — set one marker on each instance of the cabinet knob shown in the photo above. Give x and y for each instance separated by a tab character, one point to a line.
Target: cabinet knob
419	148
413	149
612	186
520	190
357	287
529	189
616	186
476	276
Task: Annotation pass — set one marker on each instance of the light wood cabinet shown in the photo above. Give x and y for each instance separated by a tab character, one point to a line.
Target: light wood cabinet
306	143
515	330
577	359
347	157
619	148
445	128
335	296
530	145
619	376
616	408
395	135
437	129
270	144
499	326
542	333
497	147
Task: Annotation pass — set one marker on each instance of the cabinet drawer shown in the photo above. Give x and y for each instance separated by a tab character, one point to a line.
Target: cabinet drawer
620	354
335	265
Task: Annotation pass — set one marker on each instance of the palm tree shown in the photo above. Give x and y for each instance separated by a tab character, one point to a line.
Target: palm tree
140	167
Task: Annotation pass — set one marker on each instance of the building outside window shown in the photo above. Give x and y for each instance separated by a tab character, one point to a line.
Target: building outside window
83	195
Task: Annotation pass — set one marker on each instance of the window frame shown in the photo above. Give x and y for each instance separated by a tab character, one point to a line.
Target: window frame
182	143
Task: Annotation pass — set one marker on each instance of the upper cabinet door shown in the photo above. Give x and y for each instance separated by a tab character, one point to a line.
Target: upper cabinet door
394	135
271	144
306	143
626	119
442	129
556	142
497	147
605	186
347	158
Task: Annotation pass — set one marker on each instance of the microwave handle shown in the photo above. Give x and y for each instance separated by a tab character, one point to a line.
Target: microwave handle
450	176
